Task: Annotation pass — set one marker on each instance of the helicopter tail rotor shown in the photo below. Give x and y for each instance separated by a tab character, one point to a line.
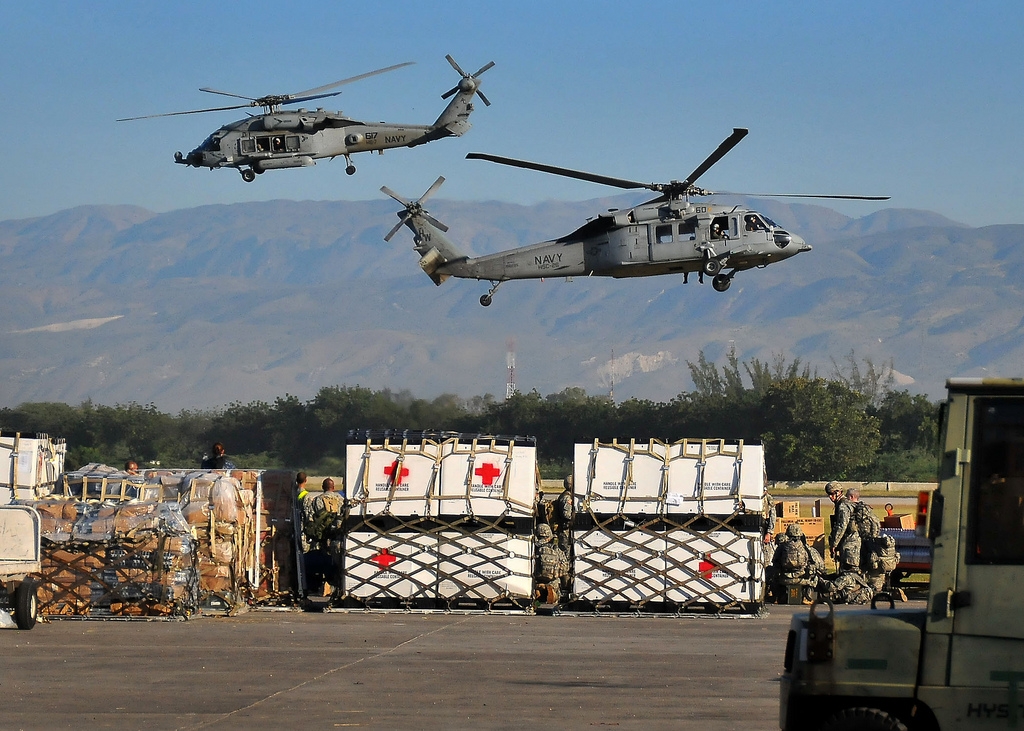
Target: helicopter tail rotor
414	208
469	82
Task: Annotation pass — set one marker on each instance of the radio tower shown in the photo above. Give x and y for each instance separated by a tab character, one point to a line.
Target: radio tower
510	360
611	373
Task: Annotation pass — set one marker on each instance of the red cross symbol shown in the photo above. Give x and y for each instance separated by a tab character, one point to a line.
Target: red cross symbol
487	473
384	559
706	567
392	468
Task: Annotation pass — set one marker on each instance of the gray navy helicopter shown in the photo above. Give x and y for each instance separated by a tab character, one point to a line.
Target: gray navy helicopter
668	234
291	139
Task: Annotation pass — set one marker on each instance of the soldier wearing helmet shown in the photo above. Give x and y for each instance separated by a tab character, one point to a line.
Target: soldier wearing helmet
796	564
844	540
551	566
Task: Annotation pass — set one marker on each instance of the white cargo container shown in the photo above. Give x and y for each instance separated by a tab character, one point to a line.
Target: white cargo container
28	462
669	526
440	474
691	476
438	519
435	568
668	569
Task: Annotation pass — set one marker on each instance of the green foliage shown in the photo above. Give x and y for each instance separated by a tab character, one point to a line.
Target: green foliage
817	429
851	426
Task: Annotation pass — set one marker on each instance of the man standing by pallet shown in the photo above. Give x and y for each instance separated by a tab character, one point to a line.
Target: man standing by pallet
844	540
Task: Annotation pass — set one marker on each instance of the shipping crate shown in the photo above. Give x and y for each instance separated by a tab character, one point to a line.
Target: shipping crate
787	509
906	521
440	474
420	563
660	567
690	476
29	462
812	527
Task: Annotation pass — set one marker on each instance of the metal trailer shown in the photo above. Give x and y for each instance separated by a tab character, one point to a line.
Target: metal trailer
19	557
438	520
669	527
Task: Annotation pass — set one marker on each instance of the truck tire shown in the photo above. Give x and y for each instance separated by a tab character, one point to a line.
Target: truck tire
26	605
863	719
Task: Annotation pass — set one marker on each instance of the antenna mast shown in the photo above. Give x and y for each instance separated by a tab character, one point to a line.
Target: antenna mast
510	360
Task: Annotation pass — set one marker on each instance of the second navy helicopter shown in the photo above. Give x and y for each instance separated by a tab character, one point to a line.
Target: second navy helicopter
290	139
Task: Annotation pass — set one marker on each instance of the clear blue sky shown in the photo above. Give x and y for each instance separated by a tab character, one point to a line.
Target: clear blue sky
922	101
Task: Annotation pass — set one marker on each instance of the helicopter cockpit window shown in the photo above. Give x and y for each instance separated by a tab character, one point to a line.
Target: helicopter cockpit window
291	142
247	145
663	234
753	222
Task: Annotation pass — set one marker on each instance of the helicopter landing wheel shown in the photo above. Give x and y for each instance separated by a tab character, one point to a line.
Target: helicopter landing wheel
248	175
711	267
721	282
485	300
350	170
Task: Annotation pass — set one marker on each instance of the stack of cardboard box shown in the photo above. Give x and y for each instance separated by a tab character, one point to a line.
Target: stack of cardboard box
788	512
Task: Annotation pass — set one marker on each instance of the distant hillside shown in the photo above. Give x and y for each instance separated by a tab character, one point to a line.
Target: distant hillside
205	306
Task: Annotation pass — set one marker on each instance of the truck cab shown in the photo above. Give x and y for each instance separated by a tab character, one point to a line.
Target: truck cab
958	662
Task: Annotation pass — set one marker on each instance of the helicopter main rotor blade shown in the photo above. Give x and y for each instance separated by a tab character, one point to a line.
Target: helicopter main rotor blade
349	80
730	142
208	90
175	114
806	195
564	172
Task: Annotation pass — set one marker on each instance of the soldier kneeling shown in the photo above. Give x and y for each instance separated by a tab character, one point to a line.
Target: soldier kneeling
847	588
550	566
795	564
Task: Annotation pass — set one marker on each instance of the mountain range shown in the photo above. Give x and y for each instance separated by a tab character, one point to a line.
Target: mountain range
201	307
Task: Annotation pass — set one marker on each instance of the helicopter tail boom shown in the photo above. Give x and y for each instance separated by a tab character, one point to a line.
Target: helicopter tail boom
454	120
435	249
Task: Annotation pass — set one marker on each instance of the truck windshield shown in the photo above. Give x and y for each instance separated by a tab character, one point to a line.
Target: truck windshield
996	530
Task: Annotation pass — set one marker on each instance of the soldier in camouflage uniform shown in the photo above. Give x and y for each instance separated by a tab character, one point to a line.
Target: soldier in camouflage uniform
796	564
844	541
848	588
323	556
564	514
551	566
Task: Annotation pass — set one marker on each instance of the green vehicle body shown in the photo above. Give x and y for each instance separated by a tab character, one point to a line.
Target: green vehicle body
957	663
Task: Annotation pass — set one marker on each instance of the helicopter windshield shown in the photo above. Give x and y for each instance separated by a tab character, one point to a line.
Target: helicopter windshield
211	144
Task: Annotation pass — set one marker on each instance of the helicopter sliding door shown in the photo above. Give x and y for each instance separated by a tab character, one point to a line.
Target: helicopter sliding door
673	240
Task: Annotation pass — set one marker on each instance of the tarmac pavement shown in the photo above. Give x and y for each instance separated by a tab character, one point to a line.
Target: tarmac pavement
289	669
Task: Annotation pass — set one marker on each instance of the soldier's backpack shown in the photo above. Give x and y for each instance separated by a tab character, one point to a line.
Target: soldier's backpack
320	526
850	588
868	524
882	553
550	564
793	557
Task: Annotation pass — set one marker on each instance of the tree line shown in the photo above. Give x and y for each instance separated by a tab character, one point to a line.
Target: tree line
850	425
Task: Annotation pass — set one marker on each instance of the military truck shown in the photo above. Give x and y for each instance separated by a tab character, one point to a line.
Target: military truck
958	662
